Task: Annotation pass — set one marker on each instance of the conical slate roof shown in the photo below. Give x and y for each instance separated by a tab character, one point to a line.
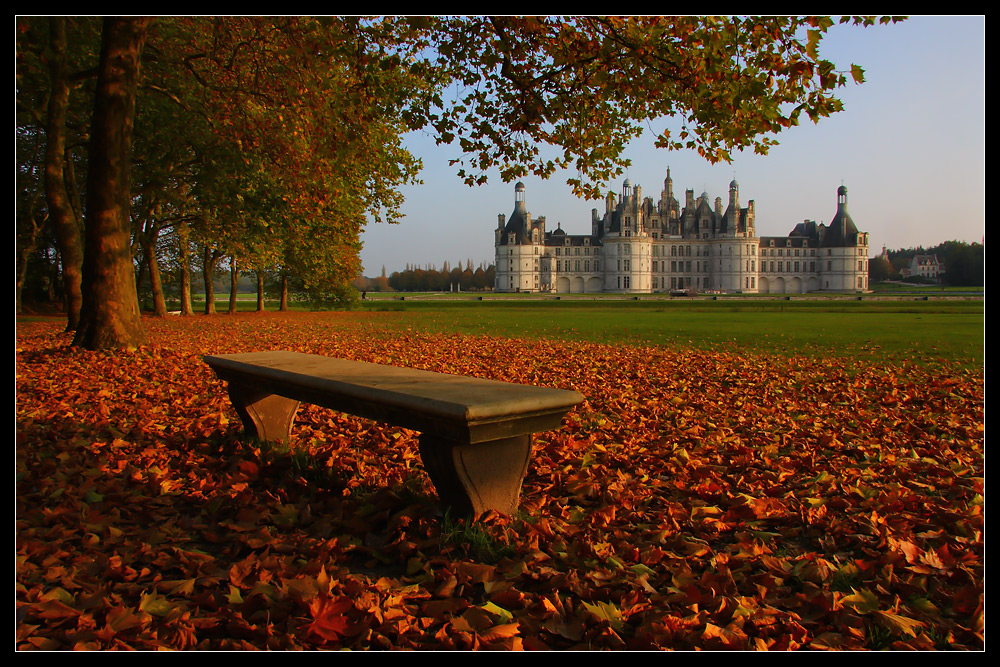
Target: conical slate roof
842	230
517	224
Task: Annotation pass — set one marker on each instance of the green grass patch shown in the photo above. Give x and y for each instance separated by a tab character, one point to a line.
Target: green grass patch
474	539
897	330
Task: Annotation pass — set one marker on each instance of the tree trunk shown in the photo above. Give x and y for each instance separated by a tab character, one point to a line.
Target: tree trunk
28	231
155	281
208	269
260	292
284	294
140	273
72	190
234	279
184	251
109	316
64	220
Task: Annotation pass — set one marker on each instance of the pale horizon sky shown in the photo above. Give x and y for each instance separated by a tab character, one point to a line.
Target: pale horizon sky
909	147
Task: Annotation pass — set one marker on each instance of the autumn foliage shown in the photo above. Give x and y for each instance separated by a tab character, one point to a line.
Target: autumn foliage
695	500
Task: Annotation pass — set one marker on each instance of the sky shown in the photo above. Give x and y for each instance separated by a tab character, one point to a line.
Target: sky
909	146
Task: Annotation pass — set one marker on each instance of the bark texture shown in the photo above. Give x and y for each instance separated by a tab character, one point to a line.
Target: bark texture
110	315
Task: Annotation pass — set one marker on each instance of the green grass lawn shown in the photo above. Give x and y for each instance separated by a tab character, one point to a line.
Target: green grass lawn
905	330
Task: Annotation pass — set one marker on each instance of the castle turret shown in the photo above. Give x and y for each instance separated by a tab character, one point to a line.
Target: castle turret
842	231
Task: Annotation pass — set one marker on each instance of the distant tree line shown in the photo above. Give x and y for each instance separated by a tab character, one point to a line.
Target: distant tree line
432	279
964	263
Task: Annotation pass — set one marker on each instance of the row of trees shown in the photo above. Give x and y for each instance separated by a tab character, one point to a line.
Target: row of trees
964	263
431	279
267	143
261	143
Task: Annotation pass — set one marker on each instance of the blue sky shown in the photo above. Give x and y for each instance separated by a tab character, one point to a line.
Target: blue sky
909	146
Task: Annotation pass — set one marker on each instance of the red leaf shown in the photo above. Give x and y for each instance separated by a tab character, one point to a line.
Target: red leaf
330	622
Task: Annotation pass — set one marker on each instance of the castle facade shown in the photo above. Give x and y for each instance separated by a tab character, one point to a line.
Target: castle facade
642	246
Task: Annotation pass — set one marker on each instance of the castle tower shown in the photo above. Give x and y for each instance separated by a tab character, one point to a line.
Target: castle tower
517	249
843	251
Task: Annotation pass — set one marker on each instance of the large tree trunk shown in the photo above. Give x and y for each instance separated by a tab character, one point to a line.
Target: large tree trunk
234	279
260	292
284	293
64	220
109	317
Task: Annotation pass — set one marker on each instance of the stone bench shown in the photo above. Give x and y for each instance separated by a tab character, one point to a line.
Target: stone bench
475	434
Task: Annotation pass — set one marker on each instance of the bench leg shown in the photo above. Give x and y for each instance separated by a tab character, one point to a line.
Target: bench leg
472	479
267	417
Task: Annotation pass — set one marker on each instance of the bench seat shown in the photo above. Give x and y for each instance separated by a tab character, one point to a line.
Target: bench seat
475	434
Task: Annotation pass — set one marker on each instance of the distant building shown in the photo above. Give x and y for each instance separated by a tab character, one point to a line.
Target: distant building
644	246
925	266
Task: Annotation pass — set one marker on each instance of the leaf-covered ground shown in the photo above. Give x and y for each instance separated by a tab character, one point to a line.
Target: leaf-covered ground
694	500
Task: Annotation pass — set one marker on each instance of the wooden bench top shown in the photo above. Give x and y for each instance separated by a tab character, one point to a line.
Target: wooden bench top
450	406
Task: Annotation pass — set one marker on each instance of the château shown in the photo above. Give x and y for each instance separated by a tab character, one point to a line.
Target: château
641	246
